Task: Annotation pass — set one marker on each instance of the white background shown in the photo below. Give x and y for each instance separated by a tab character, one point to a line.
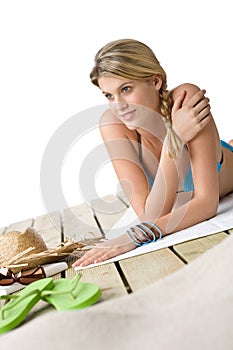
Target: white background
47	50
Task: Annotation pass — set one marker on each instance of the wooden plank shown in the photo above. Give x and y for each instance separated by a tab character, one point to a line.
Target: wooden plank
231	231
79	221
48	220
190	250
20	225
50	228
105	276
51	236
145	269
108	210
157	264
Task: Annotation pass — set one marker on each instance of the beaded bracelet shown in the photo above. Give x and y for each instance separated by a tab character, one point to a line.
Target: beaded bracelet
144	229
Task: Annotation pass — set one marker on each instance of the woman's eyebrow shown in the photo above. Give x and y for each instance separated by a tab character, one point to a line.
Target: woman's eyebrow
104	92
119	87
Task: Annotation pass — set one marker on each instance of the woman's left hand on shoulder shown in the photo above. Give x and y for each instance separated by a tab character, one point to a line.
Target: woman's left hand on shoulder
190	115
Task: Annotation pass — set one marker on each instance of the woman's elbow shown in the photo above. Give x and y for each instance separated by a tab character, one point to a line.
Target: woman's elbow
210	208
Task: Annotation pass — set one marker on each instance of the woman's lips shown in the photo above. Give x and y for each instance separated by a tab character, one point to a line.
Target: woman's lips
128	115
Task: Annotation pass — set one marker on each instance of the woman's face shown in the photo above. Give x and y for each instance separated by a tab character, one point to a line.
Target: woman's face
131	101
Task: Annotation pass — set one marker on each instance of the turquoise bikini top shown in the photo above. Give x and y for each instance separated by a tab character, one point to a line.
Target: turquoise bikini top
188	182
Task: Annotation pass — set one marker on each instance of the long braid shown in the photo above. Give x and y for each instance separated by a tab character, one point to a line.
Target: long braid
174	143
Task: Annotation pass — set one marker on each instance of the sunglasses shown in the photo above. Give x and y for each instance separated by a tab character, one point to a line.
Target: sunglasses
24	277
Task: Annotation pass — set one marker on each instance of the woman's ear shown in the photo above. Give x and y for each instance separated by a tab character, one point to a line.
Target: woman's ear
157	81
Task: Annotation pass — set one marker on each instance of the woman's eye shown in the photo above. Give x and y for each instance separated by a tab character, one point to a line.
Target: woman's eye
109	96
126	88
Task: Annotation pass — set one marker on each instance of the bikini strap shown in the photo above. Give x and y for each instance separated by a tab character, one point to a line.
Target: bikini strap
139	146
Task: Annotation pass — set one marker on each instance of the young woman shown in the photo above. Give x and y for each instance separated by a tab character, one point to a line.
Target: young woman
161	143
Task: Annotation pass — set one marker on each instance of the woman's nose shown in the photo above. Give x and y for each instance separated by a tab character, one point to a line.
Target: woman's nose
120	104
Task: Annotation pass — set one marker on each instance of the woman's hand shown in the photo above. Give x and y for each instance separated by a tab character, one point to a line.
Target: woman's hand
189	118
106	250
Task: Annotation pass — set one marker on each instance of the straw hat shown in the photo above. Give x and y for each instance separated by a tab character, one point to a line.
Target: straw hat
22	251
14	243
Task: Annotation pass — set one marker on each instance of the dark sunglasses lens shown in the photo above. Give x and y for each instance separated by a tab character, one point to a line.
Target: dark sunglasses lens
23	279
29	279
6	281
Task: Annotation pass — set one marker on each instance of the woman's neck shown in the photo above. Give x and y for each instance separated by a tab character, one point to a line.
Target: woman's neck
153	128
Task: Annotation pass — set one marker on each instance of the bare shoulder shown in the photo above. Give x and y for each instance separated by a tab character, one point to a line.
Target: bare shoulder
107	118
111	127
190	89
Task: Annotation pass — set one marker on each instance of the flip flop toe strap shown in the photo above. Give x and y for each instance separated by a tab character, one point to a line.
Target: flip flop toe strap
17	300
46	293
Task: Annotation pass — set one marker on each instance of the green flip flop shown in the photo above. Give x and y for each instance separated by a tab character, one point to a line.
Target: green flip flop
16	310
72	294
63	294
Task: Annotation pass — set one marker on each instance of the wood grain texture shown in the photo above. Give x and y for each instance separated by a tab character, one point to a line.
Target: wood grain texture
190	250
49	227
105	276
108	210
145	269
79	221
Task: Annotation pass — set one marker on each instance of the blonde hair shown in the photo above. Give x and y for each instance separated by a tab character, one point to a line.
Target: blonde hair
132	59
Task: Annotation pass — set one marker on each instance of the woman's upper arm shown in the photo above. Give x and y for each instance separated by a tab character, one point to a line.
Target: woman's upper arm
190	90
203	157
122	148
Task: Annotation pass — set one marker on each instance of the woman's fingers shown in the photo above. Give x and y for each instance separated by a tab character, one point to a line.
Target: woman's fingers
90	257
196	98
94	256
204	121
106	250
200	106
204	102
203	113
178	102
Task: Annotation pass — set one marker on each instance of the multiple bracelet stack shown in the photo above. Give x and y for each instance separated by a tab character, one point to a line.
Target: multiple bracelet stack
143	234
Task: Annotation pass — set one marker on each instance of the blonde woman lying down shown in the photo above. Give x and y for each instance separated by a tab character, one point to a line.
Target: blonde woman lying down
160	143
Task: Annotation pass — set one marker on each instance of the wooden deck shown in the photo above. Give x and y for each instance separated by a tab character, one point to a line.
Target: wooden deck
125	276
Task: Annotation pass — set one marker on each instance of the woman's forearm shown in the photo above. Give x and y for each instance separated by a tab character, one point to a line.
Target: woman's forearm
162	196
189	214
